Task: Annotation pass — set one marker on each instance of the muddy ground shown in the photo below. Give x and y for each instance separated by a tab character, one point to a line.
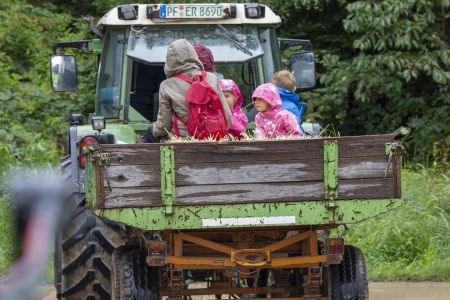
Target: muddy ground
377	290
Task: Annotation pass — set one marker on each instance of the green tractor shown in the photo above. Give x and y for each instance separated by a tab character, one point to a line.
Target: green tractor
241	219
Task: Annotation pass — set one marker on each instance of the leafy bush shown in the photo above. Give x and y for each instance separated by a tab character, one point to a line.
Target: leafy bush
8	239
411	242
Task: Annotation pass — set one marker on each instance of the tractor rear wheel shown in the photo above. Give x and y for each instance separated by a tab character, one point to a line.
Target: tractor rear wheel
83	251
348	280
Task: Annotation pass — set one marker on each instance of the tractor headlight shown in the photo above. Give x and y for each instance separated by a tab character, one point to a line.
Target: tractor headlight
98	122
254	11
128	12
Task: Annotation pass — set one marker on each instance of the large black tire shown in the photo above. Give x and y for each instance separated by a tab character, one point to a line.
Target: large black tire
84	253
135	279
348	280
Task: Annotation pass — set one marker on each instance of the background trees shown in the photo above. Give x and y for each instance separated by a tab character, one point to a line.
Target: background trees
380	65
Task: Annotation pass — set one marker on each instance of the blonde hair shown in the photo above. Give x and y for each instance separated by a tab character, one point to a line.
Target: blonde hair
284	79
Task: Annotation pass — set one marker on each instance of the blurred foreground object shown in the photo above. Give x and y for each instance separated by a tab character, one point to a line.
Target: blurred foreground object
38	198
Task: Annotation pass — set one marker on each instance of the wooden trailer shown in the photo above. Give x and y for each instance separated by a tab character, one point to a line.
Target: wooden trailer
231	211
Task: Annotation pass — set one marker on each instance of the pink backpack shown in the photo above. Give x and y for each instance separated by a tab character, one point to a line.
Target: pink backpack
206	116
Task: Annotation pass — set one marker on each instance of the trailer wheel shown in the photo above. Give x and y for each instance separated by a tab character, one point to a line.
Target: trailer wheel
83	252
348	280
135	279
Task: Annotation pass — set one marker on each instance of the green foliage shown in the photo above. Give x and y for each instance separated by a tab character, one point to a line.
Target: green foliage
33	119
411	242
8	239
397	74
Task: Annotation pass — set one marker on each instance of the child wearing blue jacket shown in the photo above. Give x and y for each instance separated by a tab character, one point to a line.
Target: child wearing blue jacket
285	81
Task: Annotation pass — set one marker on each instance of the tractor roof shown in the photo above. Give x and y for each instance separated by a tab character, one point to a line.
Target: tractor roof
151	14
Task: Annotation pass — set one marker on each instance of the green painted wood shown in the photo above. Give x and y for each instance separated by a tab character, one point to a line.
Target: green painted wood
258	214
330	169
168	192
90	187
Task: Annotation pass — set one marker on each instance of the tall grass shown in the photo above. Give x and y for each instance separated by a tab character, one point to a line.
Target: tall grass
411	242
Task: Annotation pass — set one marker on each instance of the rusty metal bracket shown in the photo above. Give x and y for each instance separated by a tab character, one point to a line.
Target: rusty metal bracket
330	171
168	193
391	150
100	161
102	158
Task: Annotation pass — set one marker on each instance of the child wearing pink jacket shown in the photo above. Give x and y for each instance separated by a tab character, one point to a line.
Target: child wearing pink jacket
273	121
234	99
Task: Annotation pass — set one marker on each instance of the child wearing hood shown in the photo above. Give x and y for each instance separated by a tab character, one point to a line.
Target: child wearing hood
285	81
272	120
206	57
234	99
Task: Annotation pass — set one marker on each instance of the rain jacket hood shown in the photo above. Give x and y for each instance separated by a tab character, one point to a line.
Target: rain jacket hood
291	102
206	57
275	122
239	119
269	93
181	58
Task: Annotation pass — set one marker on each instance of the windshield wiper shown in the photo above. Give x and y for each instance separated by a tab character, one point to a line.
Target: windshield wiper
230	37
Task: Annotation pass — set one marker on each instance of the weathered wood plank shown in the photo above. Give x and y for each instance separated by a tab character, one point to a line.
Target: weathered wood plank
366	188
247	152
251	193
134	175
361	146
133	154
251	172
363	167
133	197
247	193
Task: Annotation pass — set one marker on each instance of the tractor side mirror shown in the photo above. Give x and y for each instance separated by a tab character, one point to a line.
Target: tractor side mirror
63	69
304	68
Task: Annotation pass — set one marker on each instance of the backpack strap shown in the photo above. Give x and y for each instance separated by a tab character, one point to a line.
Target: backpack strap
175	124
185	78
201	76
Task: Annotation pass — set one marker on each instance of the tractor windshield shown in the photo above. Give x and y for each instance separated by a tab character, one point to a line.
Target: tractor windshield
229	44
109	77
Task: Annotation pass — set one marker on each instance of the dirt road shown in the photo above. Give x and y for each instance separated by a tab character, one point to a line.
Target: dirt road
409	290
378	291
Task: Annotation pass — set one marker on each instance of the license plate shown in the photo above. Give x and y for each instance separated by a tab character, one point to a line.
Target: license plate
190	11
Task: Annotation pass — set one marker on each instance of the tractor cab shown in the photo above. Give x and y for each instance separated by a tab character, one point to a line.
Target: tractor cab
133	45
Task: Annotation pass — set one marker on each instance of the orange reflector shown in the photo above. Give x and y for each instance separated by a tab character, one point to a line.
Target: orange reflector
335	246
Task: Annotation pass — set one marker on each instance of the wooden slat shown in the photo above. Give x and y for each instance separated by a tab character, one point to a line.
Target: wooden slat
357	146
133	197
251	193
247	193
363	147
248	152
134	175
251	172
363	167
366	188
133	154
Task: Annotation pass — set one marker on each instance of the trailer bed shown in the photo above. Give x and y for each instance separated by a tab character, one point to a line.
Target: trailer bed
170	177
